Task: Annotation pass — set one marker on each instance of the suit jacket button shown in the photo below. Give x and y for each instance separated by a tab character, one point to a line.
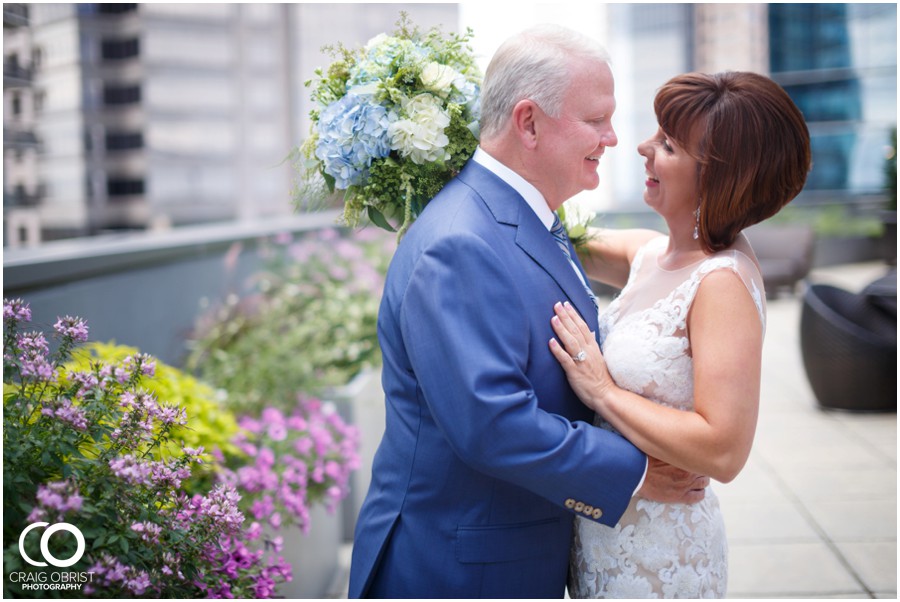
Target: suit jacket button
588	510
597	513
579	506
570	503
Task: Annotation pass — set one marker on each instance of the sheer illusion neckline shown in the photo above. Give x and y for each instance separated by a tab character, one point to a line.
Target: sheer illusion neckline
688	266
658	259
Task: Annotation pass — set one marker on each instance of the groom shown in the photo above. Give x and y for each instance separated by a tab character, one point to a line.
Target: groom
488	455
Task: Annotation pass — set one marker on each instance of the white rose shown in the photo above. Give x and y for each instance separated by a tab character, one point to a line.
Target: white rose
438	78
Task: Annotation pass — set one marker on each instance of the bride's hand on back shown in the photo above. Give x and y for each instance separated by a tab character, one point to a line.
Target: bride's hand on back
575	348
671	485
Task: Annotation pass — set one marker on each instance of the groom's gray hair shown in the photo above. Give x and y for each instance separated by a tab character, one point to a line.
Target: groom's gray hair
533	64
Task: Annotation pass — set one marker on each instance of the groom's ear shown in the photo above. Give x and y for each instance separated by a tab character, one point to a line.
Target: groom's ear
524	116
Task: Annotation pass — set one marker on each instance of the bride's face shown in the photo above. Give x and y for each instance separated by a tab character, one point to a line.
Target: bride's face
671	187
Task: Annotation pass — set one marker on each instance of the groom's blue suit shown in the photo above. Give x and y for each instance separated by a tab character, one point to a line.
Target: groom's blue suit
487	454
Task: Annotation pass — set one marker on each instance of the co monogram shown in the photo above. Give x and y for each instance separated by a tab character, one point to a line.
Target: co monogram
46	537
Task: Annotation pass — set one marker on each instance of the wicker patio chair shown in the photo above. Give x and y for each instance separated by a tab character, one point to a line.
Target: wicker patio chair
849	347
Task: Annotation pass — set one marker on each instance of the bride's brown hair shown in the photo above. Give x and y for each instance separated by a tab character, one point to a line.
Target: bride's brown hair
753	148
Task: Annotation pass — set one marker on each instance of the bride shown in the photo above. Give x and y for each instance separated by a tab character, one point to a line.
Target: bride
679	372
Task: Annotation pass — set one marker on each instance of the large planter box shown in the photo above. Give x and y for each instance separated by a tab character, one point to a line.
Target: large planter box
361	403
841	250
313	557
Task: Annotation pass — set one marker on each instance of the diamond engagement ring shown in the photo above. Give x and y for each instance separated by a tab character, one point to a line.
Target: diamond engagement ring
580	357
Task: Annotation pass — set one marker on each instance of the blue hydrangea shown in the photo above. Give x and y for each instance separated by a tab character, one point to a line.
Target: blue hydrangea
352	132
383	54
468	94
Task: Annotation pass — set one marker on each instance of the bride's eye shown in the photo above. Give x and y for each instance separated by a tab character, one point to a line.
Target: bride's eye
666	146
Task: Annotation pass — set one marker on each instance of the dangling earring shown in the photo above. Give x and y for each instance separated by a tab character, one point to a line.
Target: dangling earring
697	224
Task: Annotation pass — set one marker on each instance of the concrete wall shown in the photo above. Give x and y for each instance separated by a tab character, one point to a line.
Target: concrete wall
144	290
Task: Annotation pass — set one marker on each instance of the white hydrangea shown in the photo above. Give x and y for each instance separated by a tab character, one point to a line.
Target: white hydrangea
419	135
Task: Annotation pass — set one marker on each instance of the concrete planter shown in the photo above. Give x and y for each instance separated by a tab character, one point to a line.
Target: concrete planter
361	403
852	249
313	556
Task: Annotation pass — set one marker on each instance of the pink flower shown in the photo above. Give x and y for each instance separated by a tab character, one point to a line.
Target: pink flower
277	432
73	328
16	309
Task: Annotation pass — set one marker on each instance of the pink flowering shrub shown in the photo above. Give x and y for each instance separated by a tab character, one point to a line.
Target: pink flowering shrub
82	448
296	460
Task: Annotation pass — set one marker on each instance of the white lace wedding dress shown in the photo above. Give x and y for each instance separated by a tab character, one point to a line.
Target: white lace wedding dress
657	550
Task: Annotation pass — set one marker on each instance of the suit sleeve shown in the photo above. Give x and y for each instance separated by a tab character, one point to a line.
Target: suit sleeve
463	327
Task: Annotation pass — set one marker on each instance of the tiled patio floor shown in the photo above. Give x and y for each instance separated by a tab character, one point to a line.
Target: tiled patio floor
814	513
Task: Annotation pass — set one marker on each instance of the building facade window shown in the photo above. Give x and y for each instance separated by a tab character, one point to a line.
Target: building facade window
115	8
118	141
808	37
114	50
824	57
122	187
121	95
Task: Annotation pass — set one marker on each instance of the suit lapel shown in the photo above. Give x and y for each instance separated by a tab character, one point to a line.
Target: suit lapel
508	207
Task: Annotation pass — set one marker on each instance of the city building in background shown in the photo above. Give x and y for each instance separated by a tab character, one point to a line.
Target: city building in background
837	61
147	116
839	64
151	115
22	190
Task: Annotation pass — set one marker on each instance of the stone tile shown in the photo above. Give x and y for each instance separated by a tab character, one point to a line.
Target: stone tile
877	431
829	484
875	563
788	570
837	453
856	521
776	522
755	483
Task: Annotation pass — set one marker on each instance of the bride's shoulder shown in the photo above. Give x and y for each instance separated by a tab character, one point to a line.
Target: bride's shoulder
745	256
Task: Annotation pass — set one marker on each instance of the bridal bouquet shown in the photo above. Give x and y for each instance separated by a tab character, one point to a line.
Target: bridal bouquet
392	123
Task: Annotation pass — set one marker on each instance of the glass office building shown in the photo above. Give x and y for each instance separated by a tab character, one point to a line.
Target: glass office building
837	61
839	64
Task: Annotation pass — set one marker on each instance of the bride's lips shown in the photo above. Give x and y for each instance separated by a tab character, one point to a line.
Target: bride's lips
651	181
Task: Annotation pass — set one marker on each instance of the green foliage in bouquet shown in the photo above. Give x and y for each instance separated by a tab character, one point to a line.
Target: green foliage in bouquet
392	123
306	323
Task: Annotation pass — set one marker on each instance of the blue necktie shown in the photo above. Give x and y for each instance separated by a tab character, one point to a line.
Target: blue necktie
559	234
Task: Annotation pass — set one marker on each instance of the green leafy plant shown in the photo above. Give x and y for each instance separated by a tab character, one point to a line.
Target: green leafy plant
305	324
211	426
